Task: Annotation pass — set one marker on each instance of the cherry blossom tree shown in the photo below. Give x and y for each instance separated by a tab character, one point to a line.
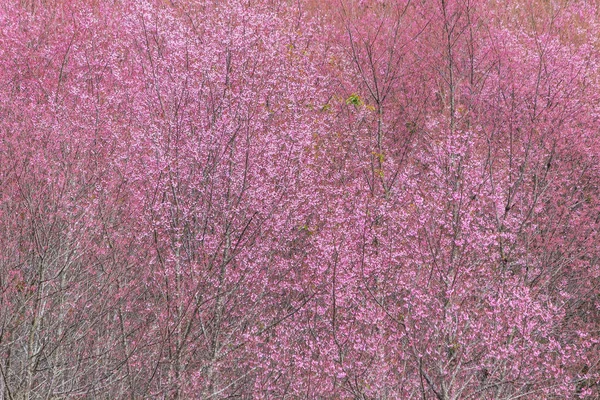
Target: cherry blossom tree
258	199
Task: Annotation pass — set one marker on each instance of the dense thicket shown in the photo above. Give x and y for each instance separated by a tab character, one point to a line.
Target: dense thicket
264	199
